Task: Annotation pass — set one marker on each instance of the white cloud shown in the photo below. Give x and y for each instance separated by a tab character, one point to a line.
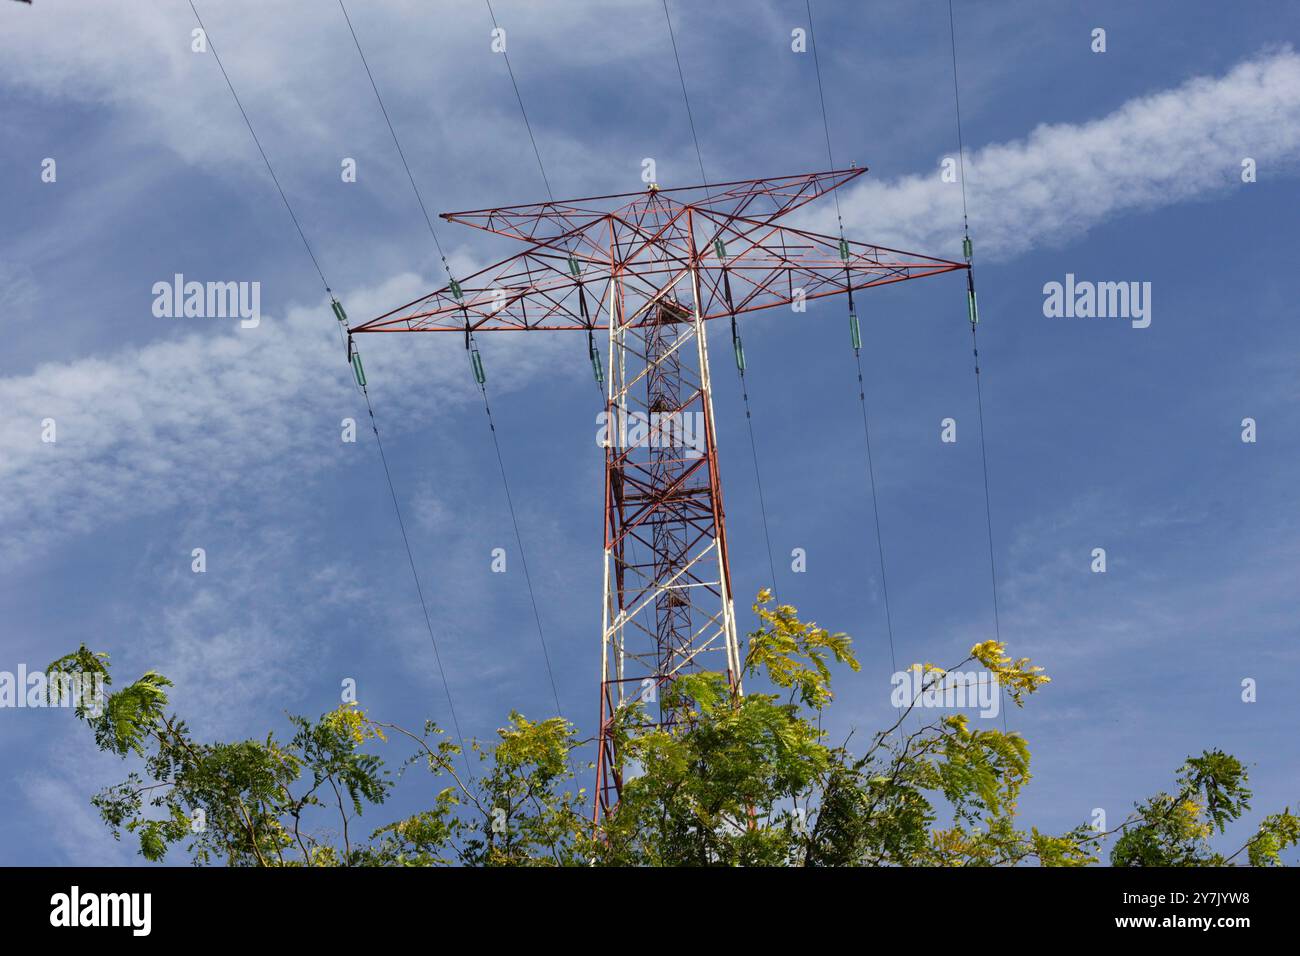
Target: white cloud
298	75
58	791
1064	179
242	411
172	421
1058	612
18	291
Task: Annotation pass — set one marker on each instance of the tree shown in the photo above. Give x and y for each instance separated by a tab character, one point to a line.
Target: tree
737	780
1174	830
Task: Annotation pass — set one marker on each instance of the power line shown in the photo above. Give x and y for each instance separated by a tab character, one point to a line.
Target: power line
396	142
821	98
469	342
523	559
406	543
519	97
690	117
274	178
740	363
974	316
984	460
451	706
857	356
875	512
758	481
956	97
973	312
537	153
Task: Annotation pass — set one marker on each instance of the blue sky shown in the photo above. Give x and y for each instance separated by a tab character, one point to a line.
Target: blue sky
183	433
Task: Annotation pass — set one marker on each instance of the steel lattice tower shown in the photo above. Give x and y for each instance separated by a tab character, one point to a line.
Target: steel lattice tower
650	268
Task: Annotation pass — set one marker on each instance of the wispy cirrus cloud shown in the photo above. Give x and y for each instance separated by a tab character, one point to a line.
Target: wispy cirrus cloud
175	422
1063	179
135	426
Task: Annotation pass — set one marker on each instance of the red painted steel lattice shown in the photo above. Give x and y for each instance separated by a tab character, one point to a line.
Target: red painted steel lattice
650	268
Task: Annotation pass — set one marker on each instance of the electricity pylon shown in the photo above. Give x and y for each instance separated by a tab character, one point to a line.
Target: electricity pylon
651	268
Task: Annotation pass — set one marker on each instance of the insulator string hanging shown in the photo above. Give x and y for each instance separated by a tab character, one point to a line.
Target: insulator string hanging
720	250
972	316
476	360
855	339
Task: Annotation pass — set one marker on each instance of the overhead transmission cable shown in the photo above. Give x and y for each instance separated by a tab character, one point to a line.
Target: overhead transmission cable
972	310
476	362
258	143
520	99
354	359
737	345
593	354
690	116
856	340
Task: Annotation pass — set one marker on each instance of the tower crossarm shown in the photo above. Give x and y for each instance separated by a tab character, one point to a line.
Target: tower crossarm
533	290
777	266
762	265
768	198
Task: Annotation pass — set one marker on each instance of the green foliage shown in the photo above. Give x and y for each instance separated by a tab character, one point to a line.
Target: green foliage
784	647
522	809
1175	829
81	661
736	779
228	802
131	714
1276	833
